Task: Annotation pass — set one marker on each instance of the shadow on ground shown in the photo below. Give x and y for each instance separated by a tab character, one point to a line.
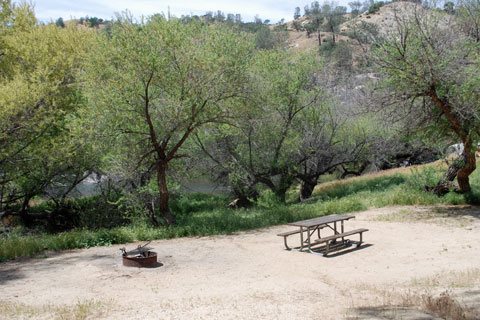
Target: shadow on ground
459	211
467	301
377	313
10	274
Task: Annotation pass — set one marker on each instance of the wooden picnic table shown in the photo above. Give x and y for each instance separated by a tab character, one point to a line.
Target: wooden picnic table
311	226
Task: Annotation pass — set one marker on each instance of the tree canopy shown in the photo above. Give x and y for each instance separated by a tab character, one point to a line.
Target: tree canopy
431	77
39	94
153	83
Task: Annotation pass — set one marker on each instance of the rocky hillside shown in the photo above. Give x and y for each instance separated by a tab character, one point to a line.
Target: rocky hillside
383	20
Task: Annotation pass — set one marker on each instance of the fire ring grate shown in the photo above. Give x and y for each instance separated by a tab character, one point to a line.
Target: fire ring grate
141	257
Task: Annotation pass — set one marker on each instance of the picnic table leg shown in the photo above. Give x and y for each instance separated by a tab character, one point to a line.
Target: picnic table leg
310	244
335	231
301	238
308	239
343	238
286	245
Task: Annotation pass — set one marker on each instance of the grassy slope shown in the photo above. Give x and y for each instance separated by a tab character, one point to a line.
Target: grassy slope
201	215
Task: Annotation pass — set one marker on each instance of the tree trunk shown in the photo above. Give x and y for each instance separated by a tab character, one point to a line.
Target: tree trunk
444	185
333	34
281	194
286	181
468	168
24	216
306	189
163	192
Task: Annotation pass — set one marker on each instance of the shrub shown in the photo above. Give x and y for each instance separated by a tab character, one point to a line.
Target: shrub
196	202
268	199
425	176
445	306
375	7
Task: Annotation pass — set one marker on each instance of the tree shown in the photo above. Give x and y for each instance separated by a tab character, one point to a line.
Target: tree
334	17
468	12
431	77
449	7
39	93
268	39
261	146
265	39
60	23
219	16
152	84
315	17
296	13
328	18
328	140
356	7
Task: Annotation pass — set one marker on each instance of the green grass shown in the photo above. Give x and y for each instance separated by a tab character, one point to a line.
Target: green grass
203	215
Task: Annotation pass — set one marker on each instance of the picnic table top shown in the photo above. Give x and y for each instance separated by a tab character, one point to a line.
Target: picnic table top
321	220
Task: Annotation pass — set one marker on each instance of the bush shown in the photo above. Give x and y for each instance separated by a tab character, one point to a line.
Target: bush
297	26
95	212
425	176
375	7
268	200
196	202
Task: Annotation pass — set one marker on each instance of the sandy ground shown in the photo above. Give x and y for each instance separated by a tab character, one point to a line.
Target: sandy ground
407	252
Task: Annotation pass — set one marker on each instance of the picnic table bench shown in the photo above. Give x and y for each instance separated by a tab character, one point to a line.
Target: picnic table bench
307	229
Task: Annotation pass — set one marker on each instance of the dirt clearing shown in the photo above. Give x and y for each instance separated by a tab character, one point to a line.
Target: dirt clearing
411	254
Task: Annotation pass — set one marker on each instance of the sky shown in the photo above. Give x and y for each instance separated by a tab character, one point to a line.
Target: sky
51	10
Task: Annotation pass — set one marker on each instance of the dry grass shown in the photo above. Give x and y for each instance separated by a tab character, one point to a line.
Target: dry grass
88	309
443	216
410	304
446	306
328	186
450	279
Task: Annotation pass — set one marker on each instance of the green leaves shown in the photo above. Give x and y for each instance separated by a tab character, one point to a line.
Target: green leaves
38	95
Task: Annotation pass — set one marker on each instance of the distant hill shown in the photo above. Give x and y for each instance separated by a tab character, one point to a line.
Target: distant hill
383	21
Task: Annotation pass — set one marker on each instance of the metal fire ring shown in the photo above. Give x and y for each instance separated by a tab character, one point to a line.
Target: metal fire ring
141	257
141	262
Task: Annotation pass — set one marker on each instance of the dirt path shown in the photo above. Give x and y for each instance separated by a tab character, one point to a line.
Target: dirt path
249	275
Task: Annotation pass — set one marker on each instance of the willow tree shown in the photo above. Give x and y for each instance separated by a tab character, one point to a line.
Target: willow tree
153	83
39	93
430	76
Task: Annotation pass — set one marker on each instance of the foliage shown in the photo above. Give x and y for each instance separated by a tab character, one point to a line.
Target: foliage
59	23
336	197
356	7
428	176
375	7
39	94
468	14
326	17
429	70
152	84
268	39
363	32
268	199
262	144
296	14
196	202
92	22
